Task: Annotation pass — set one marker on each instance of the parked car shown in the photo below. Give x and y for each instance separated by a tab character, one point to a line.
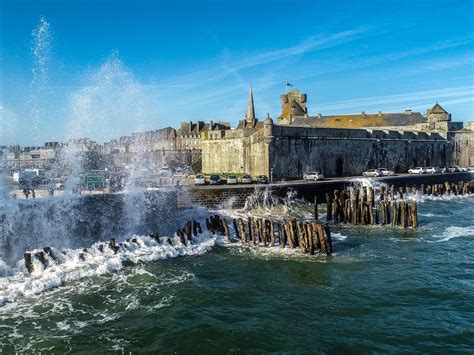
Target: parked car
461	168
246	179
471	169
313	175
452	169
417	170
262	179
433	170
214	180
386	172
372	173
199	179
232	180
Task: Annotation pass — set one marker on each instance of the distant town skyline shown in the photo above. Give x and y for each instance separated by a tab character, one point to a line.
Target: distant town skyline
104	69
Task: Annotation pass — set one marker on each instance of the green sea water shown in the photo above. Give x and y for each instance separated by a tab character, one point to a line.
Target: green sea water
384	290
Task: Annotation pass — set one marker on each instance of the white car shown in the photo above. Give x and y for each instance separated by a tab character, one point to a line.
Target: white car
460	168
372	173
199	179
433	170
471	169
313	175
417	170
232	180
246	179
386	172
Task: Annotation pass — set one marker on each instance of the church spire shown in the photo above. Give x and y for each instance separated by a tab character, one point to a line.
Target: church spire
250	116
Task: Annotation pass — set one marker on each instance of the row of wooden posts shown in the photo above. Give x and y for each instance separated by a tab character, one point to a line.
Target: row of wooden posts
460	188
359	206
310	237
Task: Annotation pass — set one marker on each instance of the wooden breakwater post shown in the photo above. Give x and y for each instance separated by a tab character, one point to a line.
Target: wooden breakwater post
359	206
315	210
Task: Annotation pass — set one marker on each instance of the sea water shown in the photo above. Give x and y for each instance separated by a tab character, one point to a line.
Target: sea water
384	289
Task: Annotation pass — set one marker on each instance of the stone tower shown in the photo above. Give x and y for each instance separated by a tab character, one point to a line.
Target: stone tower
250	119
438	114
293	104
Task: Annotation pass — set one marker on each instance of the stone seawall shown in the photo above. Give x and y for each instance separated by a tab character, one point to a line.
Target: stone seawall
225	196
79	221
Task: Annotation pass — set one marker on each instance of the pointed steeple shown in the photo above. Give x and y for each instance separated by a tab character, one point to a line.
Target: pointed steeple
250	116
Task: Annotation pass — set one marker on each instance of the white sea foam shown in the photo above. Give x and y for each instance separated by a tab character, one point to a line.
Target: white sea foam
454	232
20	284
429	214
442	198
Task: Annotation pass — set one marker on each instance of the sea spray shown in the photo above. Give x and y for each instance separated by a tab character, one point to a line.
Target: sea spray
41	52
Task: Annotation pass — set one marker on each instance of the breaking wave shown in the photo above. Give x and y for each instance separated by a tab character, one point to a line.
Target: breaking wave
454	232
18	283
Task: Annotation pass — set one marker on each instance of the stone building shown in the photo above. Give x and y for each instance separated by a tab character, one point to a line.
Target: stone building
155	149
338	145
16	158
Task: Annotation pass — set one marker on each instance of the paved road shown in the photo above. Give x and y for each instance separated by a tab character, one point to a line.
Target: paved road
328	181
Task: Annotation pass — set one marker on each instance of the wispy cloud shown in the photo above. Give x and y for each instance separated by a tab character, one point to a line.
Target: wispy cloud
250	60
459	94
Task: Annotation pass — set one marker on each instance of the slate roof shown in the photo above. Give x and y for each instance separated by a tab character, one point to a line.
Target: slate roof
361	120
438	109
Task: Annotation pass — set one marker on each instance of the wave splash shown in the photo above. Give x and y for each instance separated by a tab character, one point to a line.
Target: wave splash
71	265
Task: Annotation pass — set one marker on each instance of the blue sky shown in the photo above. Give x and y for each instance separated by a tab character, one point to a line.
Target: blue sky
108	68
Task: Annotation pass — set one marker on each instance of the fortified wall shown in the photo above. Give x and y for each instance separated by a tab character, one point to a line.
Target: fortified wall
340	152
290	151
463	142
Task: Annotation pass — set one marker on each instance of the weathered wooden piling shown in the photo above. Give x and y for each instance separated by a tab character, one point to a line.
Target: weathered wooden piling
282	236
188	230
289	234
113	245
328	207
272	233
153	236
236	229
394	213
227	231
180	234
195	232
310	238
251	225
40	256
209	226
243	234
29	262
263	226
315	211
260	230
328	237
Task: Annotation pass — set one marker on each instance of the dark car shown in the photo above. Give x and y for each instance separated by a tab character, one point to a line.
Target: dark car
262	179
214	180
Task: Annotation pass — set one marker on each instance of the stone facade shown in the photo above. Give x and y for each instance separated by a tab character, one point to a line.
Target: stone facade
463	143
